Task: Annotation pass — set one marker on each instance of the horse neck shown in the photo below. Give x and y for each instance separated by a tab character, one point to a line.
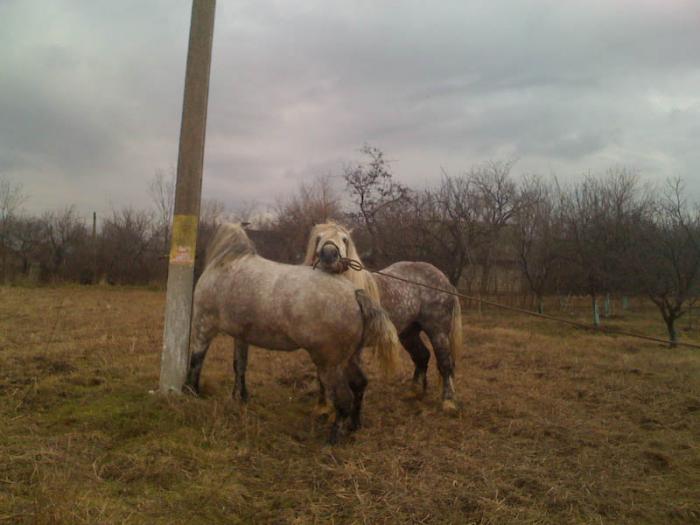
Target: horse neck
356	278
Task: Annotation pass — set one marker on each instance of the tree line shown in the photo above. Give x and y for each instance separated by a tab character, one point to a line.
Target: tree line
605	234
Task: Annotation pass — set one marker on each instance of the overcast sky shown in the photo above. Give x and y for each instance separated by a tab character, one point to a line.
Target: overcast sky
91	92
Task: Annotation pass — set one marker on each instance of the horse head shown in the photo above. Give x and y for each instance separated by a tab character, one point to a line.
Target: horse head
329	247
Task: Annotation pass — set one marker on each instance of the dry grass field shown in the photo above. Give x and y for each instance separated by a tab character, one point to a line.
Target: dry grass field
556	425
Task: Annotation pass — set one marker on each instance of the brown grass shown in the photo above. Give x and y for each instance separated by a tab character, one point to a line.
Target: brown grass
556	426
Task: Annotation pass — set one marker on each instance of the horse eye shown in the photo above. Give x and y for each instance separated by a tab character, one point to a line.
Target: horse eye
345	240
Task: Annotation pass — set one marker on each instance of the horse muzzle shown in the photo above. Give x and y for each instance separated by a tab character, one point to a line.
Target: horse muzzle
329	257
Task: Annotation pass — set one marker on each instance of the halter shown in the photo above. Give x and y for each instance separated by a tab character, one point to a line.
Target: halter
345	262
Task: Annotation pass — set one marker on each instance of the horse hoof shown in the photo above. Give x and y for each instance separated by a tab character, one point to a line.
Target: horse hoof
449	406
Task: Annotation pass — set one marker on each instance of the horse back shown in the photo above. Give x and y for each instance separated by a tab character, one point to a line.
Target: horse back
408	303
280	306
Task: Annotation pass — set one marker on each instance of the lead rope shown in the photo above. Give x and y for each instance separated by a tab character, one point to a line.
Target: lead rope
358	266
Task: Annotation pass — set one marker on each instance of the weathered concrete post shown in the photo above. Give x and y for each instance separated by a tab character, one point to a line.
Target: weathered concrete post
178	308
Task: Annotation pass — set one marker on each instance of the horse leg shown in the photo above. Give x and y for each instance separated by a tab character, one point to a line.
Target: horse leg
411	341
445	362
240	363
201	341
323	408
358	383
335	380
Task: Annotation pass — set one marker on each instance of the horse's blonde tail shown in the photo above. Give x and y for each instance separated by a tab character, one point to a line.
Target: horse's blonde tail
456	330
379	333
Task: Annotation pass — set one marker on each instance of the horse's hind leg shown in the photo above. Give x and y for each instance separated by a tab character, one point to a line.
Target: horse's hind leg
411	341
358	383
240	363
445	362
335	380
323	408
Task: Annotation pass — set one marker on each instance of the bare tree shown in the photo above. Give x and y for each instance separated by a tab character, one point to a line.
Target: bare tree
495	201
12	197
65	233
28	241
599	215
474	210
249	213
313	202
667	256
454	226
374	192
128	254
162	192
409	230
211	211
452	219
537	232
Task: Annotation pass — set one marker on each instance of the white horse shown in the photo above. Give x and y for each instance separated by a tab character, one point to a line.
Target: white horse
284	307
413	309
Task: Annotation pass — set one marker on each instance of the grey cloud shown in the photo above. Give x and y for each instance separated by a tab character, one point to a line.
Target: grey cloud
92	91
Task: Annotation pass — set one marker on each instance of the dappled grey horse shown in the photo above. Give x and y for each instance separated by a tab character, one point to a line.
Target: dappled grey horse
285	307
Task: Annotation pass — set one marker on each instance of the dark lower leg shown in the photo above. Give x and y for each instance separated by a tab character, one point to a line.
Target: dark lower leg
358	383
337	384
200	345
341	414
240	363
196	362
411	341
443	356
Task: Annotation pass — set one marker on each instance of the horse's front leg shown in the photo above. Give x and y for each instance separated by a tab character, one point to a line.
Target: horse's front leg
240	363
203	334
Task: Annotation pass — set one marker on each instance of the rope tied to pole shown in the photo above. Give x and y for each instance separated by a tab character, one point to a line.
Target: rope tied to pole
357	266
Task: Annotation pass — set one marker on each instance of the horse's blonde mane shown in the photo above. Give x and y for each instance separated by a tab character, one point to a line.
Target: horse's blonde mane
229	242
361	279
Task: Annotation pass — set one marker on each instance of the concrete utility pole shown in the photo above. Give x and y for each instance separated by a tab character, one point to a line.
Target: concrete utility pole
188	189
